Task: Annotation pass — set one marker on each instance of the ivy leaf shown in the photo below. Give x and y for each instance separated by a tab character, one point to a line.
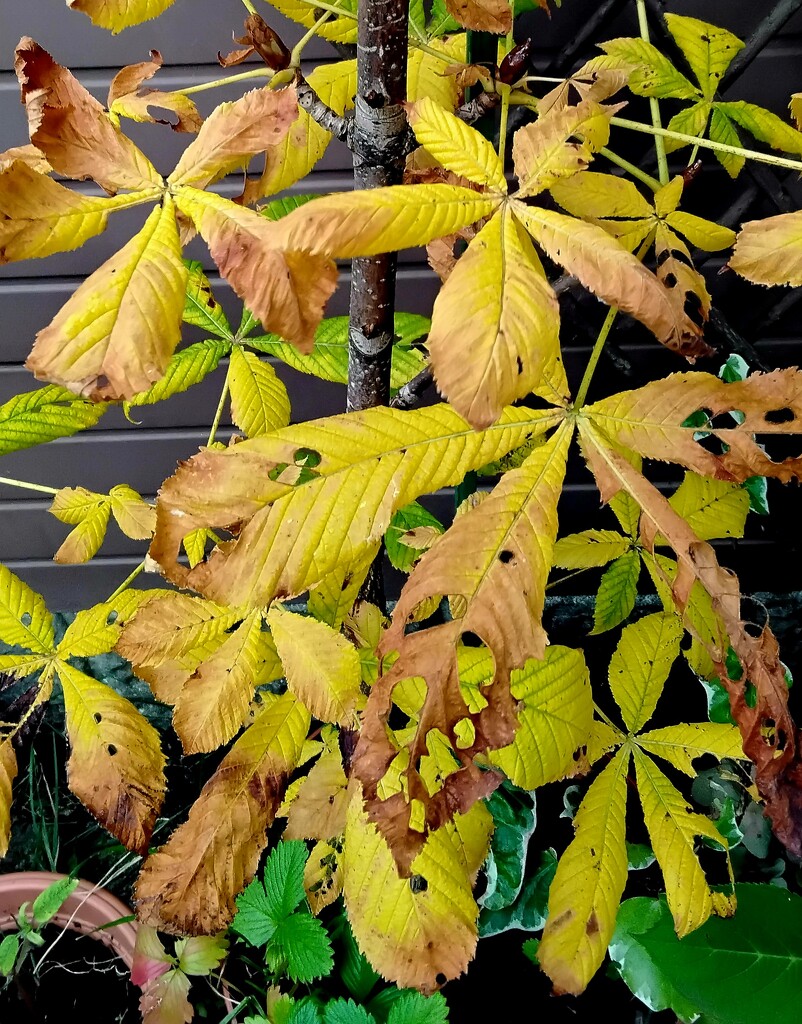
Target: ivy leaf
201	308
514	821
259	401
617	593
302	944
35	417
129	12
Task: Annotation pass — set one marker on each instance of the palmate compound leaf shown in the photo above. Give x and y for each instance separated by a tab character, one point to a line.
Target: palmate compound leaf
189	885
116	766
321	666
422	930
348	473
119	14
188	367
494	561
769	734
35	417
454	145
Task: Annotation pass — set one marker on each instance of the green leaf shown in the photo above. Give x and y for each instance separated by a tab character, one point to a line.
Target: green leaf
589	549
278	208
718	702
284	878
617	593
758	490
441	21
417	15
201	308
254	920
529	950
764	125
9	948
304	1012
344	1011
723	130
301	944
735	368
411	517
528	912
35	417
735	970
354	970
329	358
514	817
413	1008
200	955
727	824
187	367
712	508
639	856
259	401
50	900
635	964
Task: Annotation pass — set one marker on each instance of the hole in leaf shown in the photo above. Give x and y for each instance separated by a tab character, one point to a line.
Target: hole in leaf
470	639
25	618
780	416
505	556
111	749
418	884
441	979
307	457
112	617
670	281
98	717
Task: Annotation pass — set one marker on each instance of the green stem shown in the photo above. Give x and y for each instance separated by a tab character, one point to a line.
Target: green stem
605	718
632	169
654	103
544	78
249	7
331	8
298	49
28	487
504	48
219	412
720	147
244	76
126	583
595	355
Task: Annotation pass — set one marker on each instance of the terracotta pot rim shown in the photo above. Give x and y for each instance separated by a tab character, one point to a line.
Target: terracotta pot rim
88	909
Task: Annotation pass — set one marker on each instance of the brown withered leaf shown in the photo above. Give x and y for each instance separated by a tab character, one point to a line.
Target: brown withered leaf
319	809
770	736
72	128
286	291
234	133
259	38
189	885
125	98
495	559
466	75
584	84
28	155
482	15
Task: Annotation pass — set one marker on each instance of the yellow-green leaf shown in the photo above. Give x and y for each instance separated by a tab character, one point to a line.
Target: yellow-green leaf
83	542
680	745
338	29
589	548
259	401
321	666
415	931
691	121
332	599
708	49
498	306
135	516
455	145
587	888
673	830
796	109
652	74
617	592
700	232
24	618
712	508
189	885
119	14
35	417
201	308
640	666
116	334
96	630
170	626
187	367
764	125
555	711
116	766
723	130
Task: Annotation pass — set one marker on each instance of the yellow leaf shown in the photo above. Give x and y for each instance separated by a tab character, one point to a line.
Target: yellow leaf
612	273
72	129
189	885
415	931
306	142
332	599
708	49
673	829
587	888
286	291
603	738
83	543
321	666
116	334
592	195
135	516
319	809
589	548
116	766
29	155
24	618
214	701
119	14
364	223
499	306
170	626
323	876
542	153
712	508
234	133
8	772
796	109
555	715
640	666
339	29
770	251
455	145
704	234
97	629
482	15
259	401
425	72
39	216
344	482
680	745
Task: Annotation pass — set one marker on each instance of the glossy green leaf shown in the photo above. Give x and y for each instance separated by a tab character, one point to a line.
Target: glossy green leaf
35	417
514	818
187	367
528	912
278	208
617	593
411	531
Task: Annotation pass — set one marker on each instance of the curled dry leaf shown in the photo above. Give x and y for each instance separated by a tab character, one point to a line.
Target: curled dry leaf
482	15
127	100
259	38
30	155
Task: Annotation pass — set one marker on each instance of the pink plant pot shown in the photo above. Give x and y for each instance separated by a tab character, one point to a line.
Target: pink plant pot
87	909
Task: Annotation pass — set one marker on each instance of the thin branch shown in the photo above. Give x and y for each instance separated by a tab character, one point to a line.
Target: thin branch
763	34
409	394
339	126
472	110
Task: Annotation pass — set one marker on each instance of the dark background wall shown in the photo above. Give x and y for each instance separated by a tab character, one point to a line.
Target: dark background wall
189	36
